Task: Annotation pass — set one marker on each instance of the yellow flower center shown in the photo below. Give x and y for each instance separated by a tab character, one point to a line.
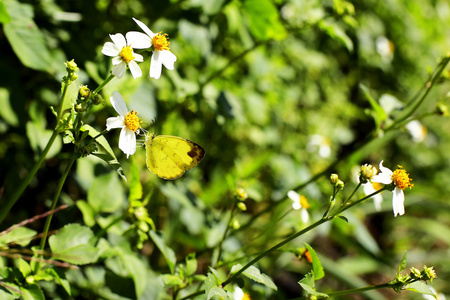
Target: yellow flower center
401	178
160	42
127	54
304	203
132	121
377	186
246	297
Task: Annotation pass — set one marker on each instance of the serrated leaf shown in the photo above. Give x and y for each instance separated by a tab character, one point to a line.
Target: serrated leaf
264	20
308	284
402	265
216	292
25	38
168	253
75	244
20	236
106	194
32	292
420	287
317	266
253	273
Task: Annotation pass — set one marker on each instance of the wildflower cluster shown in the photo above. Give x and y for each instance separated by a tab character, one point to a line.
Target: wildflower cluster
122	52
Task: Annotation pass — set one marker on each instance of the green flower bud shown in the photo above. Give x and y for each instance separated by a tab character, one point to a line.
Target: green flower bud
334	178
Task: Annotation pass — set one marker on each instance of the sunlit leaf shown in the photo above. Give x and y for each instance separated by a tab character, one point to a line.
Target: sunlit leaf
317	266
165	250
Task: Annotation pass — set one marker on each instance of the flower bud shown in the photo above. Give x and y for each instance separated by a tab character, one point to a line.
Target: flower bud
442	110
242	206
334	178
71	66
340	185
84	91
367	172
241	194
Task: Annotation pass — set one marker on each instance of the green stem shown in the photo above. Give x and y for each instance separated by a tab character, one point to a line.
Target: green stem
360	290
428	86
103	231
18	192
354	191
259	257
55	200
225	233
101	86
344	208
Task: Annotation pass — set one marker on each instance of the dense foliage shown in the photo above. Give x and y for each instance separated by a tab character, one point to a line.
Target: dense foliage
280	94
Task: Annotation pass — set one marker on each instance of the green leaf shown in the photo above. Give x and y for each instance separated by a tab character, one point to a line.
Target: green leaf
4	16
254	274
39	138
7	112
135	182
106	194
25	38
109	157
191	264
87	211
308	284
317	266
420	287
264	20
379	114
216	292
32	292
336	32
137	271
75	244
343	218
168	253
402	265
54	275
23	266
20	236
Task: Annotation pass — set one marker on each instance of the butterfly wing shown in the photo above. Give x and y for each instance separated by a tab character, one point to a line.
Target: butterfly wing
170	156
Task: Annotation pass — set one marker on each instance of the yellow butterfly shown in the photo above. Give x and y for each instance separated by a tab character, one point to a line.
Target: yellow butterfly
170	156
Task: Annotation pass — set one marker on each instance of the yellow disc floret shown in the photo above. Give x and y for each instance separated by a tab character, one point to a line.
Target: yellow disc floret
401	178
160	42
304	203
132	121
127	54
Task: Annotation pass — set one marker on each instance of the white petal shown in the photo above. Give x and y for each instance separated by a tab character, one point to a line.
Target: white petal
135	70
127	141
117	60
138	40
155	66
385	177
110	49
144	28
119	40
119	104
398	202
115	122
168	59
377	200
304	215
293	195
138	57
119	70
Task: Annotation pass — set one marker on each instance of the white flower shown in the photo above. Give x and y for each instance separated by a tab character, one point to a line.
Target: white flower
370	189
401	181
417	131
121	50
161	53
128	121
300	202
238	293
317	141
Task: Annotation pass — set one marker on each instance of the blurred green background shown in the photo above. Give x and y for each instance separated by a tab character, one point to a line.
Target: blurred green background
271	90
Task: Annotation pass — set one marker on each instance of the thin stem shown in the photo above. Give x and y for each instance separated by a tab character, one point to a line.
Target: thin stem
102	85
225	233
55	200
428	86
259	257
353	193
359	290
18	192
103	231
344	208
